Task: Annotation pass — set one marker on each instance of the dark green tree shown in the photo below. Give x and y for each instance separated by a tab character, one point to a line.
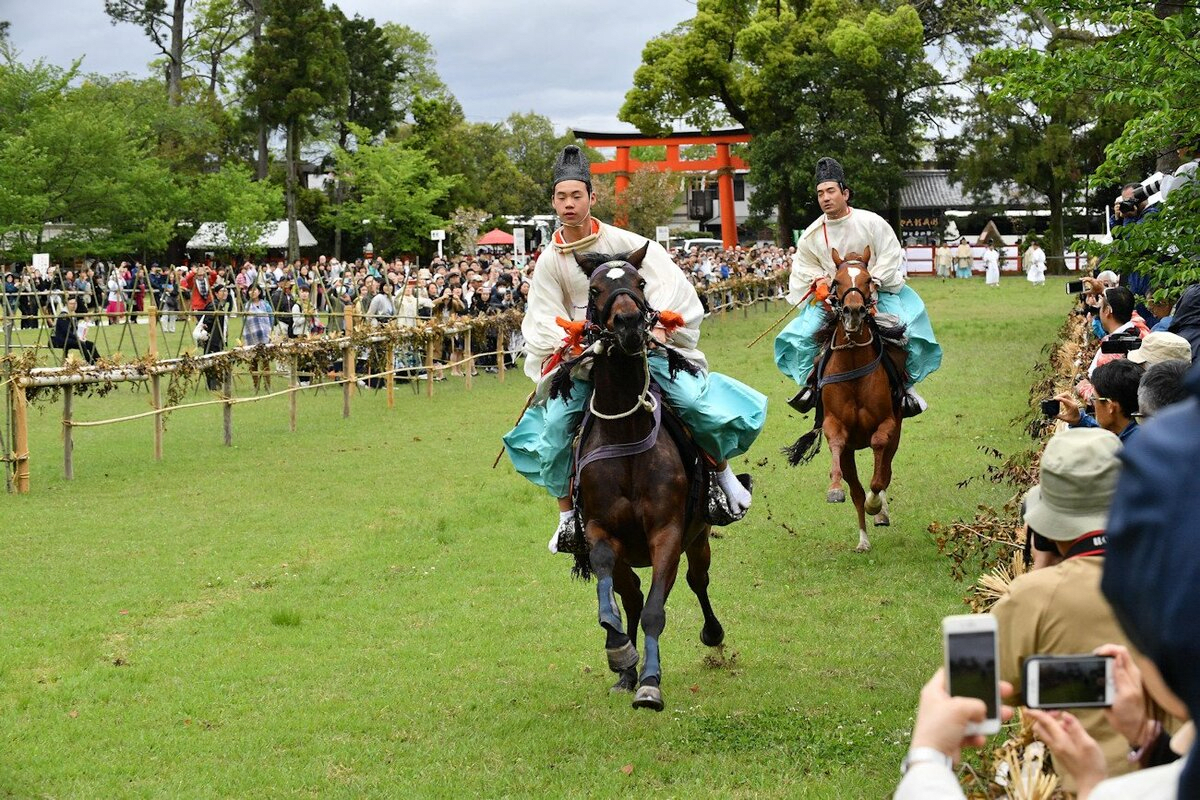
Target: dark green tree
163	22
296	71
1139	63
839	77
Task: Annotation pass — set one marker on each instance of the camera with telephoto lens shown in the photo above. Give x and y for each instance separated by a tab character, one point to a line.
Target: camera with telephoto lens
1141	193
1121	343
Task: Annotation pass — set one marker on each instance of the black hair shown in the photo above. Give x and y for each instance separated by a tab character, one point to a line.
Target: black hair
1162	385
1120	302
1118	381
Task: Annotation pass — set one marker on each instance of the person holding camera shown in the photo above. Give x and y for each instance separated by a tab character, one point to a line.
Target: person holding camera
1115	401
1123	327
1060	609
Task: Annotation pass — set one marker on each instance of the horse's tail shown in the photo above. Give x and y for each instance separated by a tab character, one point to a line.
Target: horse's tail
805	448
583	567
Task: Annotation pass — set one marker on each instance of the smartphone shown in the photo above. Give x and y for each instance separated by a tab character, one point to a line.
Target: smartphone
1051	408
1074	287
972	647
1084	681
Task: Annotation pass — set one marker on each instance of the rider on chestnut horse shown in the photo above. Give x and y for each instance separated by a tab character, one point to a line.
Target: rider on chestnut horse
849	230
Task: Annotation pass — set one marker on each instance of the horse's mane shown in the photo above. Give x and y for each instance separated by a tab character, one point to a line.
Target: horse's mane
562	386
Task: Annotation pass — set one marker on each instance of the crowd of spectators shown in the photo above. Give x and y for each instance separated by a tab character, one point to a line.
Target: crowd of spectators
301	298
1113	567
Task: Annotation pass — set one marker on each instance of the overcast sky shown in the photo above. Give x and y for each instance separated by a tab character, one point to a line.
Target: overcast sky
571	62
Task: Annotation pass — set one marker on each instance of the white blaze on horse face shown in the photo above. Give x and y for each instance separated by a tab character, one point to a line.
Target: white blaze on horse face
854	273
615	274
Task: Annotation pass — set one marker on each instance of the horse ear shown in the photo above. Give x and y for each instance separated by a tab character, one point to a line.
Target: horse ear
589	261
635	258
837	257
867	256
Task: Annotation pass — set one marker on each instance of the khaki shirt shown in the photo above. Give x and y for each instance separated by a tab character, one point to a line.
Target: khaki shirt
1059	610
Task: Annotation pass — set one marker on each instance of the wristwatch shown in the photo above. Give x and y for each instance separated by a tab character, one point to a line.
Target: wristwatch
925	755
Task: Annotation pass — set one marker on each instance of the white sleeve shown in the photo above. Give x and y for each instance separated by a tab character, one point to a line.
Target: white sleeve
806	268
929	781
547	300
885	262
669	290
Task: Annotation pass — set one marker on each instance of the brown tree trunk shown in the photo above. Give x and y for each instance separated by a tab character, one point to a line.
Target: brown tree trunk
292	147
175	65
1055	263
783	217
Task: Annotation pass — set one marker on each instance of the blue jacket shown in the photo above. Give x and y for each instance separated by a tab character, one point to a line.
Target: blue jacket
1152	568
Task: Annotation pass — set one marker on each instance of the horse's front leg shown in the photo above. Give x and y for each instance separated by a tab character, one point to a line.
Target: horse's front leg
629	587
883	444
664	558
622	655
835	434
850	469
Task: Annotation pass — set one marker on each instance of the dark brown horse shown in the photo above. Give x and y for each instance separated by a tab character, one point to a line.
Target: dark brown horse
859	408
634	506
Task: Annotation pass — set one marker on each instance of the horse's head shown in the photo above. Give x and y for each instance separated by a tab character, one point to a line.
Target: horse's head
853	288
616	297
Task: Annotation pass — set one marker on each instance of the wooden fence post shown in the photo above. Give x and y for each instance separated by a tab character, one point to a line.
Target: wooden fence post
68	434
152	330
429	368
390	355
227	390
293	383
20	436
347	362
470	359
500	354
156	399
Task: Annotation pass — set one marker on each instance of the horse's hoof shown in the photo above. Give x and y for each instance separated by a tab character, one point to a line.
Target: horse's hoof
863	547
627	682
882	521
873	504
649	697
835	496
712	638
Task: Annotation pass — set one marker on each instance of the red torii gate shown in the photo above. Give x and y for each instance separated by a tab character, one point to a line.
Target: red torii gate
723	164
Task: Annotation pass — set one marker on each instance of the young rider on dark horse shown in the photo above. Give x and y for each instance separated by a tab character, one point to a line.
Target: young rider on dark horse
724	415
850	230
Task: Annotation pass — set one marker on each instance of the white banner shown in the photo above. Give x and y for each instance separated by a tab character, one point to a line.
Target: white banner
41	263
437	236
518	241
662	234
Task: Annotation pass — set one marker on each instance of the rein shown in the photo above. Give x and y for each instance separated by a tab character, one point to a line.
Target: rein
601	338
645	399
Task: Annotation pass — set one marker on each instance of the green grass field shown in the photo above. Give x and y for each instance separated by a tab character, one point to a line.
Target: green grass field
366	609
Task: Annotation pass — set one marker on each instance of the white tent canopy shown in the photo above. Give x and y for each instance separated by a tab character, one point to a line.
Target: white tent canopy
211	236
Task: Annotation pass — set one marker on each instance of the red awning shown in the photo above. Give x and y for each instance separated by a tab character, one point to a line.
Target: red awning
496	236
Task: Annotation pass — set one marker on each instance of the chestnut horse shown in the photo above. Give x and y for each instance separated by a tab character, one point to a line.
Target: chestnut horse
859	408
633	500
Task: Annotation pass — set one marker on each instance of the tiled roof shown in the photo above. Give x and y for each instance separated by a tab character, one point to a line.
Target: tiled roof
934	189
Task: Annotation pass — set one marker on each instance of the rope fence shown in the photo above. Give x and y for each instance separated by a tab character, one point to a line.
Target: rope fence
418	353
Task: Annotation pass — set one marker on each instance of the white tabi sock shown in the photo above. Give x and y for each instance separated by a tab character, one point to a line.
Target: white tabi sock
564	517
739	498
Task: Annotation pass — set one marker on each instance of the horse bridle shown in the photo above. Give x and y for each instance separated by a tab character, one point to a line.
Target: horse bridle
597	334
837	304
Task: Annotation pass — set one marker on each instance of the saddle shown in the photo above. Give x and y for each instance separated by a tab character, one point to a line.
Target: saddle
705	497
888	335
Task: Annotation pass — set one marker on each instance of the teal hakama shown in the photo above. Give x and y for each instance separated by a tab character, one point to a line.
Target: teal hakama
724	415
796	347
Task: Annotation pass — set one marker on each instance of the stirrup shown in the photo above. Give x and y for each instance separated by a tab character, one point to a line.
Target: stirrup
717	509
910	406
804	400
570	538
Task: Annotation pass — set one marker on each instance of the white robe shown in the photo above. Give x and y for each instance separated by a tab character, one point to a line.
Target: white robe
851	233
560	289
1035	265
991	266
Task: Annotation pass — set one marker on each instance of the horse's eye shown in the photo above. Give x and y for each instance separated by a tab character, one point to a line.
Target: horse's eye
641	283
594	291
